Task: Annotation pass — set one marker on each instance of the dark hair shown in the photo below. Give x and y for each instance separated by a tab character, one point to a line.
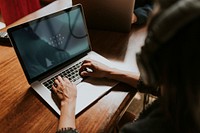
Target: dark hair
178	61
179	65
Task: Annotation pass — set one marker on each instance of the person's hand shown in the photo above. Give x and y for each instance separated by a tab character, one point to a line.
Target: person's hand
65	90
67	93
93	68
134	18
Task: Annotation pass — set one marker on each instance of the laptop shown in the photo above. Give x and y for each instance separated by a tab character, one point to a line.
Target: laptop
54	45
108	14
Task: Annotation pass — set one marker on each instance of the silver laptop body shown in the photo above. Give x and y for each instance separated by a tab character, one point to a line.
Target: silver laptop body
54	45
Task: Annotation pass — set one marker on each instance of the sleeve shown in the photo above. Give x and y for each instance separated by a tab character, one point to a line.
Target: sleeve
142	13
67	130
141	87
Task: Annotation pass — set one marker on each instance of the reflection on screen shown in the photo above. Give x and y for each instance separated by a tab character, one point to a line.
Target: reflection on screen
50	41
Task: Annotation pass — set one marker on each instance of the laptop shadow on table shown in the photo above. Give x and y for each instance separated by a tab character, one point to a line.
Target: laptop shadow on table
44	102
5	43
114	45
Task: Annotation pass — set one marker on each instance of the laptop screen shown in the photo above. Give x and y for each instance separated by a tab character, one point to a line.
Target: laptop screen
50	41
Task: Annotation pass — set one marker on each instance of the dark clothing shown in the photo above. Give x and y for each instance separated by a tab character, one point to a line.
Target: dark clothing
142	10
177	51
140	3
151	120
67	130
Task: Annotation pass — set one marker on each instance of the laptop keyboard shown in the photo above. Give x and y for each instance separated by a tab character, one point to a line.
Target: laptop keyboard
71	73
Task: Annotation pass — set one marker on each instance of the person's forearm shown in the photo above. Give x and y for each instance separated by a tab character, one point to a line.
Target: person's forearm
124	76
67	116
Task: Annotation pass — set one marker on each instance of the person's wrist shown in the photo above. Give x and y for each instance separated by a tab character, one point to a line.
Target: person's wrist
67	115
68	109
108	73
68	102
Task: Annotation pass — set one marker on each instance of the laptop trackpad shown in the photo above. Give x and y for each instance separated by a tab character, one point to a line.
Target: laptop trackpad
90	90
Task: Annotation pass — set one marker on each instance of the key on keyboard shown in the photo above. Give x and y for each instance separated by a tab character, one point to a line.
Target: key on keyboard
71	73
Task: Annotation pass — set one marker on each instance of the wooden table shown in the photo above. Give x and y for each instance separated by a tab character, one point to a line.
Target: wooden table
22	110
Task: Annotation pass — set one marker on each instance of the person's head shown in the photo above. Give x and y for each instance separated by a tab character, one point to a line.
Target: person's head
170	59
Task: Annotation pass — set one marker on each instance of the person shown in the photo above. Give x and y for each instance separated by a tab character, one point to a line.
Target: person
168	62
142	11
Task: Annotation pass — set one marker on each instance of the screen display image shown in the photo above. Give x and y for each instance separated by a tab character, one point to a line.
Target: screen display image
51	41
